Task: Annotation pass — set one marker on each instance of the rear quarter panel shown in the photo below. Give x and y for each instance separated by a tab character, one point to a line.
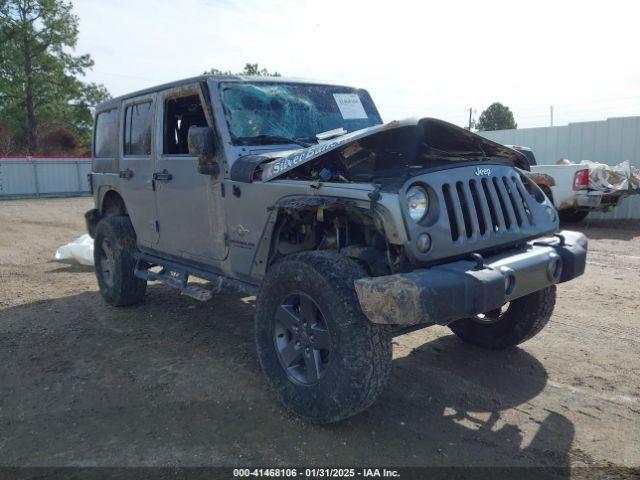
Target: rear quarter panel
563	194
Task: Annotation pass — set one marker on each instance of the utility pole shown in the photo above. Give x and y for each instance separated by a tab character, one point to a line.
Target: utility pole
470	120
551	114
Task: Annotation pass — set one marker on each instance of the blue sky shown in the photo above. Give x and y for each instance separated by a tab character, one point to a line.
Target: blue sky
416	58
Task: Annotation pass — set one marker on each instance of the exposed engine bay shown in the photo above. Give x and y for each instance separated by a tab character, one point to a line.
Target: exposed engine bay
324	224
386	154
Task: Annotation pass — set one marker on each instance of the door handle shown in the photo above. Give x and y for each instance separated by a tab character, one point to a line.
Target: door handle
162	176
125	174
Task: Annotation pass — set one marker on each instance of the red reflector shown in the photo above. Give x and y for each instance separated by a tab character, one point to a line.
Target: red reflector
581	179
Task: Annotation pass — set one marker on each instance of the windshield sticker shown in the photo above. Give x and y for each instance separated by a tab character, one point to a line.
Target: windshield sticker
350	106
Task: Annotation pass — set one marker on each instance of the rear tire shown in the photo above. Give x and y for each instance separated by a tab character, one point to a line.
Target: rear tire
113	254
572	215
349	359
522	320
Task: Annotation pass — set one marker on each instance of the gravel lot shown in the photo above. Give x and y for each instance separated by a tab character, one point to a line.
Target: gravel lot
176	382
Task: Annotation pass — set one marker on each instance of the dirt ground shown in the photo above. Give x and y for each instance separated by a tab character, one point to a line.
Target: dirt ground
176	382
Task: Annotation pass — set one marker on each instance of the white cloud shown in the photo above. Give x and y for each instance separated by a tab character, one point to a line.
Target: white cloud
416	58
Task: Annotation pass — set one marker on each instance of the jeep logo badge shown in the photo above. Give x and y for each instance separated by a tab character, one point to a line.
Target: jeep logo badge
482	171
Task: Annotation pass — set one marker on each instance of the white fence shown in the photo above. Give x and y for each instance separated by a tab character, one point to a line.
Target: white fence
44	176
609	141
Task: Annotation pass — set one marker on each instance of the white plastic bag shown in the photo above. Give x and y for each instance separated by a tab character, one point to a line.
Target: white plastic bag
80	250
612	178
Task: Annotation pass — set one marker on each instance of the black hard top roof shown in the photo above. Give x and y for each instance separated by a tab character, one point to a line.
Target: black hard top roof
202	78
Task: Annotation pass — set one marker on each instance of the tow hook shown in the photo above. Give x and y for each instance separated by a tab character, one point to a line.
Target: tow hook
476	257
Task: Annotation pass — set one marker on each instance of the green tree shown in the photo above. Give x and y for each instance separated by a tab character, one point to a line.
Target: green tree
496	117
250	69
39	87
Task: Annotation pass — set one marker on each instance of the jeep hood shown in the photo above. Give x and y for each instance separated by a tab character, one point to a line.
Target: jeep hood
387	154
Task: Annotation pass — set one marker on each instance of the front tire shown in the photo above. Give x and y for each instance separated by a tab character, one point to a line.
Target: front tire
521	320
113	254
322	356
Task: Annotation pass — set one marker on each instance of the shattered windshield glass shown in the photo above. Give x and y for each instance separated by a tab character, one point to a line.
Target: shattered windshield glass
267	113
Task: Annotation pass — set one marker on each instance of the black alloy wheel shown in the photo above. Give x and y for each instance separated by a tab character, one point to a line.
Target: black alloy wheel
302	339
114	252
107	263
325	360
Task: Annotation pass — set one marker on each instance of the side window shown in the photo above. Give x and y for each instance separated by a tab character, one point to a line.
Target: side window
180	114
105	140
137	129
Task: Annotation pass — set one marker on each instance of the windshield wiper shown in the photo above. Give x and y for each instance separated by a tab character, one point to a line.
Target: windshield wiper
265	139
329	134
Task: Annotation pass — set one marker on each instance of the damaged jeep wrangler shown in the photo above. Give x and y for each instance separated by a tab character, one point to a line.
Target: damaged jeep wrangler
349	230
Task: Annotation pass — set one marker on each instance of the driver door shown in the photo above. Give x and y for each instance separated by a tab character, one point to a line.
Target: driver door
191	219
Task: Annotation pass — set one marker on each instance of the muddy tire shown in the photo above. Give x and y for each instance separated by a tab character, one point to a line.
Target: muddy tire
321	355
572	215
113	254
521	320
547	192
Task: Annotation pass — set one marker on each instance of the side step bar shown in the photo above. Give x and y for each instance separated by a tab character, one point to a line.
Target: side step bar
175	279
177	276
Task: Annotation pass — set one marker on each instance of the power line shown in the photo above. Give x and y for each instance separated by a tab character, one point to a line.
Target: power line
626	110
541	108
603	100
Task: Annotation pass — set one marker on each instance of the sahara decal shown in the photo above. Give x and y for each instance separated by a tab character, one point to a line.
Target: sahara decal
240	230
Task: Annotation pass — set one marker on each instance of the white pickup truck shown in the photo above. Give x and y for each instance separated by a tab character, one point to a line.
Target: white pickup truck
571	194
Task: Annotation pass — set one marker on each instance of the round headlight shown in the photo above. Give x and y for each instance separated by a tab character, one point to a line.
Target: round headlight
417	203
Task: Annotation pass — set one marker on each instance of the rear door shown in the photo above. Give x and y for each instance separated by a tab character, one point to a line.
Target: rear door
190	214
136	166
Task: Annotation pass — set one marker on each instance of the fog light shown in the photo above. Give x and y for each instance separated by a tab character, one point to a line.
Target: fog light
424	242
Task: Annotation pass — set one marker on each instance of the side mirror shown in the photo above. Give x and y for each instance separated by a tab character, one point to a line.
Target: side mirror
202	144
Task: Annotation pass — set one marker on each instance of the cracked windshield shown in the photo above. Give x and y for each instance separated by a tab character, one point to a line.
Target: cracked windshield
268	113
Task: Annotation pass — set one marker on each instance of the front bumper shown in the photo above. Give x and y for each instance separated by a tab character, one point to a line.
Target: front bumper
466	288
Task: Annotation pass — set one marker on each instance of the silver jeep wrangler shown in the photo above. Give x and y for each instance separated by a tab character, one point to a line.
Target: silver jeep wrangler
349	230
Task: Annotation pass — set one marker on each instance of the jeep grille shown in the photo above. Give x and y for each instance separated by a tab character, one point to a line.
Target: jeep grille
486	207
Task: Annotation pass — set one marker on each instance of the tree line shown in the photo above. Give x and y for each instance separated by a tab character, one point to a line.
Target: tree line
45	107
496	117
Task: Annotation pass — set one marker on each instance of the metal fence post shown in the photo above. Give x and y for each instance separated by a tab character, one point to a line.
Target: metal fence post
78	177
35	177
